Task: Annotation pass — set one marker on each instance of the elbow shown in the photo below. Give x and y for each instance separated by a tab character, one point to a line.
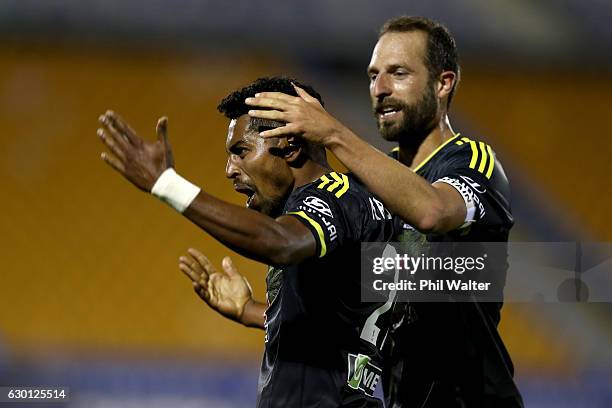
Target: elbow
433	221
284	245
427	224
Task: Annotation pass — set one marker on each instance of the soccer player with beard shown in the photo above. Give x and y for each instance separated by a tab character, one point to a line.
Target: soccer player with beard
446	187
322	343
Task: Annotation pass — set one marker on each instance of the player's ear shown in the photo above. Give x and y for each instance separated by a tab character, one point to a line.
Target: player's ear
445	84
292	151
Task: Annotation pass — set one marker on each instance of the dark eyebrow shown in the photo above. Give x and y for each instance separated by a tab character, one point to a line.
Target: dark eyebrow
239	144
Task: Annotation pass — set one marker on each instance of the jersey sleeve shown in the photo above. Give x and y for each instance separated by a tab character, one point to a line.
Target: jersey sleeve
324	207
480	180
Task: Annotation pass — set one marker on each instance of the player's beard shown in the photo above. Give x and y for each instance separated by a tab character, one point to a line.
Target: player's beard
417	122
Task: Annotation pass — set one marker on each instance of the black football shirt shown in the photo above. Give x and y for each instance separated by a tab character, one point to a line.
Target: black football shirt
448	354
323	345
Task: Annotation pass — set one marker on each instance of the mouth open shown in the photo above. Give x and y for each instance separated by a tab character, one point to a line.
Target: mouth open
246	190
388	112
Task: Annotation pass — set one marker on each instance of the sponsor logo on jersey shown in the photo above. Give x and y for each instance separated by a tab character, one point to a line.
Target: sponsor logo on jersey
362	374
318	205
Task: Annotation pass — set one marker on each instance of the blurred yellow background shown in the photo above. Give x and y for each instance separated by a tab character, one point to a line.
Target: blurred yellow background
91	294
91	262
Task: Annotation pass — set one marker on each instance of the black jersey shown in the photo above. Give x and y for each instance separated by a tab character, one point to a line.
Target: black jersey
450	354
322	343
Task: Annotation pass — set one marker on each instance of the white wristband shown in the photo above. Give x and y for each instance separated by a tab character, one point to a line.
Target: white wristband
174	190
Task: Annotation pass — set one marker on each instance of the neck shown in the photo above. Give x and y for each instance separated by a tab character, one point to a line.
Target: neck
412	154
309	172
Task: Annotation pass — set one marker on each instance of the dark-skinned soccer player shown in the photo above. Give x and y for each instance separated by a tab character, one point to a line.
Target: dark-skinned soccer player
323	344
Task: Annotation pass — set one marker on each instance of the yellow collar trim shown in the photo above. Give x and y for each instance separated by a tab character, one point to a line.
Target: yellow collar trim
434	152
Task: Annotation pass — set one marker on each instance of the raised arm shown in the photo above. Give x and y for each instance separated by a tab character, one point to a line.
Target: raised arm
427	207
149	166
436	208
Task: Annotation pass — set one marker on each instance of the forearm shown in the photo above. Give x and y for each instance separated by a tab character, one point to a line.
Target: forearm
405	193
251	234
254	314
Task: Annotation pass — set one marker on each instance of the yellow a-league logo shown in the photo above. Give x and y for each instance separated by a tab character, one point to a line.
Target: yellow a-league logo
362	374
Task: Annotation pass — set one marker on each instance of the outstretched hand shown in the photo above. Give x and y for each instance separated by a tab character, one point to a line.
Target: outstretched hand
139	161
303	114
226	291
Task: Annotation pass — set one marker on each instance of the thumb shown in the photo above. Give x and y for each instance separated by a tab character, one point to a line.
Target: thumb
162	136
162	130
303	94
229	268
248	285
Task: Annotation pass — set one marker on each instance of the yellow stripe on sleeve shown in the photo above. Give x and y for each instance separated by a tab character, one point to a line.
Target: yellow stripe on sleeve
483	161
491	162
474	154
325	181
345	186
317	227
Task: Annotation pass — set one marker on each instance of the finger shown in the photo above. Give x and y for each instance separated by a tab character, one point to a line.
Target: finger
194	264
278	96
202	262
273	103
248	284
113	162
305	95
189	272
122	126
229	268
115	133
269	114
111	144
162	130
282	131
197	274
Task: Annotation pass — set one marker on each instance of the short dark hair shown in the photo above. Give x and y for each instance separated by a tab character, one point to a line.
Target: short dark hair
441	54
233	106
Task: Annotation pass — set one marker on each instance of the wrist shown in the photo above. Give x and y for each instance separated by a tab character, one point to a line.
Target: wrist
174	190
242	317
337	139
